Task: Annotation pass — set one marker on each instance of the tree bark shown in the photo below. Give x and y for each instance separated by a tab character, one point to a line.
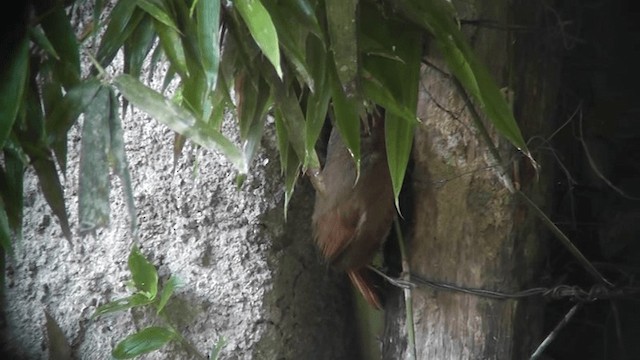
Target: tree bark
468	229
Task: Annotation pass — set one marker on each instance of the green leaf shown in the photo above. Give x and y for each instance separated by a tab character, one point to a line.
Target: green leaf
158	10
208	24
65	114
289	162
145	276
399	140
142	342
256	101
138	46
292	36
39	38
317	102
167	291
123	20
347	119
341	20
436	16
292	116
118	158
262	29
391	79
5	235
12	84
93	189
119	305
172	45
11	186
215	352
51	88
57	27
52	189
59	347
178	119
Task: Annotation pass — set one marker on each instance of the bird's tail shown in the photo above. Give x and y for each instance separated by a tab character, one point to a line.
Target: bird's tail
362	282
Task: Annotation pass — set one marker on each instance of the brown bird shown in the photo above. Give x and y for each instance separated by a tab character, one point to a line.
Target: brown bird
351	219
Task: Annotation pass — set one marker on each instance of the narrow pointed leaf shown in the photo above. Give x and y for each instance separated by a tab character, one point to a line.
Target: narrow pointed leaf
342	24
11	187
172	46
144	274
292	37
12	84
292	116
262	29
57	27
52	190
39	38
65	114
142	342
5	236
347	119
208	24
317	102
289	162
167	291
158	10
391	78
93	189
436	16
399	140
215	352
118	158
178	119
123	20
138	46
59	347
119	305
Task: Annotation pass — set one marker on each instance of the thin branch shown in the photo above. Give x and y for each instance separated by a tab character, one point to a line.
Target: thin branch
554	333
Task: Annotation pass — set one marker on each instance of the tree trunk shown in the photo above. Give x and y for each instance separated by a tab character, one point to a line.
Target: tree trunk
468	229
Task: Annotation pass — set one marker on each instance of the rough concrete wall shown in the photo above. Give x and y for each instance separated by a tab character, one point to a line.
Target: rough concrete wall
248	275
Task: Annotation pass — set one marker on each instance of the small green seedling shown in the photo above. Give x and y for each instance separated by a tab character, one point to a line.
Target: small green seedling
145	284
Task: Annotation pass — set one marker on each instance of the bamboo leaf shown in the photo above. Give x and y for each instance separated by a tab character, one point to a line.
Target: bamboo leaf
118	158
142	342
11	185
399	140
66	113
58	346
93	189
138	45
208	24
289	163
39	38
5	237
342	24
317	102
167	291
437	17
158	10
123	21
129	302
292	36
13	80
144	274
57	27
346	116
52	189
262	29
172	46
178	119
391	79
